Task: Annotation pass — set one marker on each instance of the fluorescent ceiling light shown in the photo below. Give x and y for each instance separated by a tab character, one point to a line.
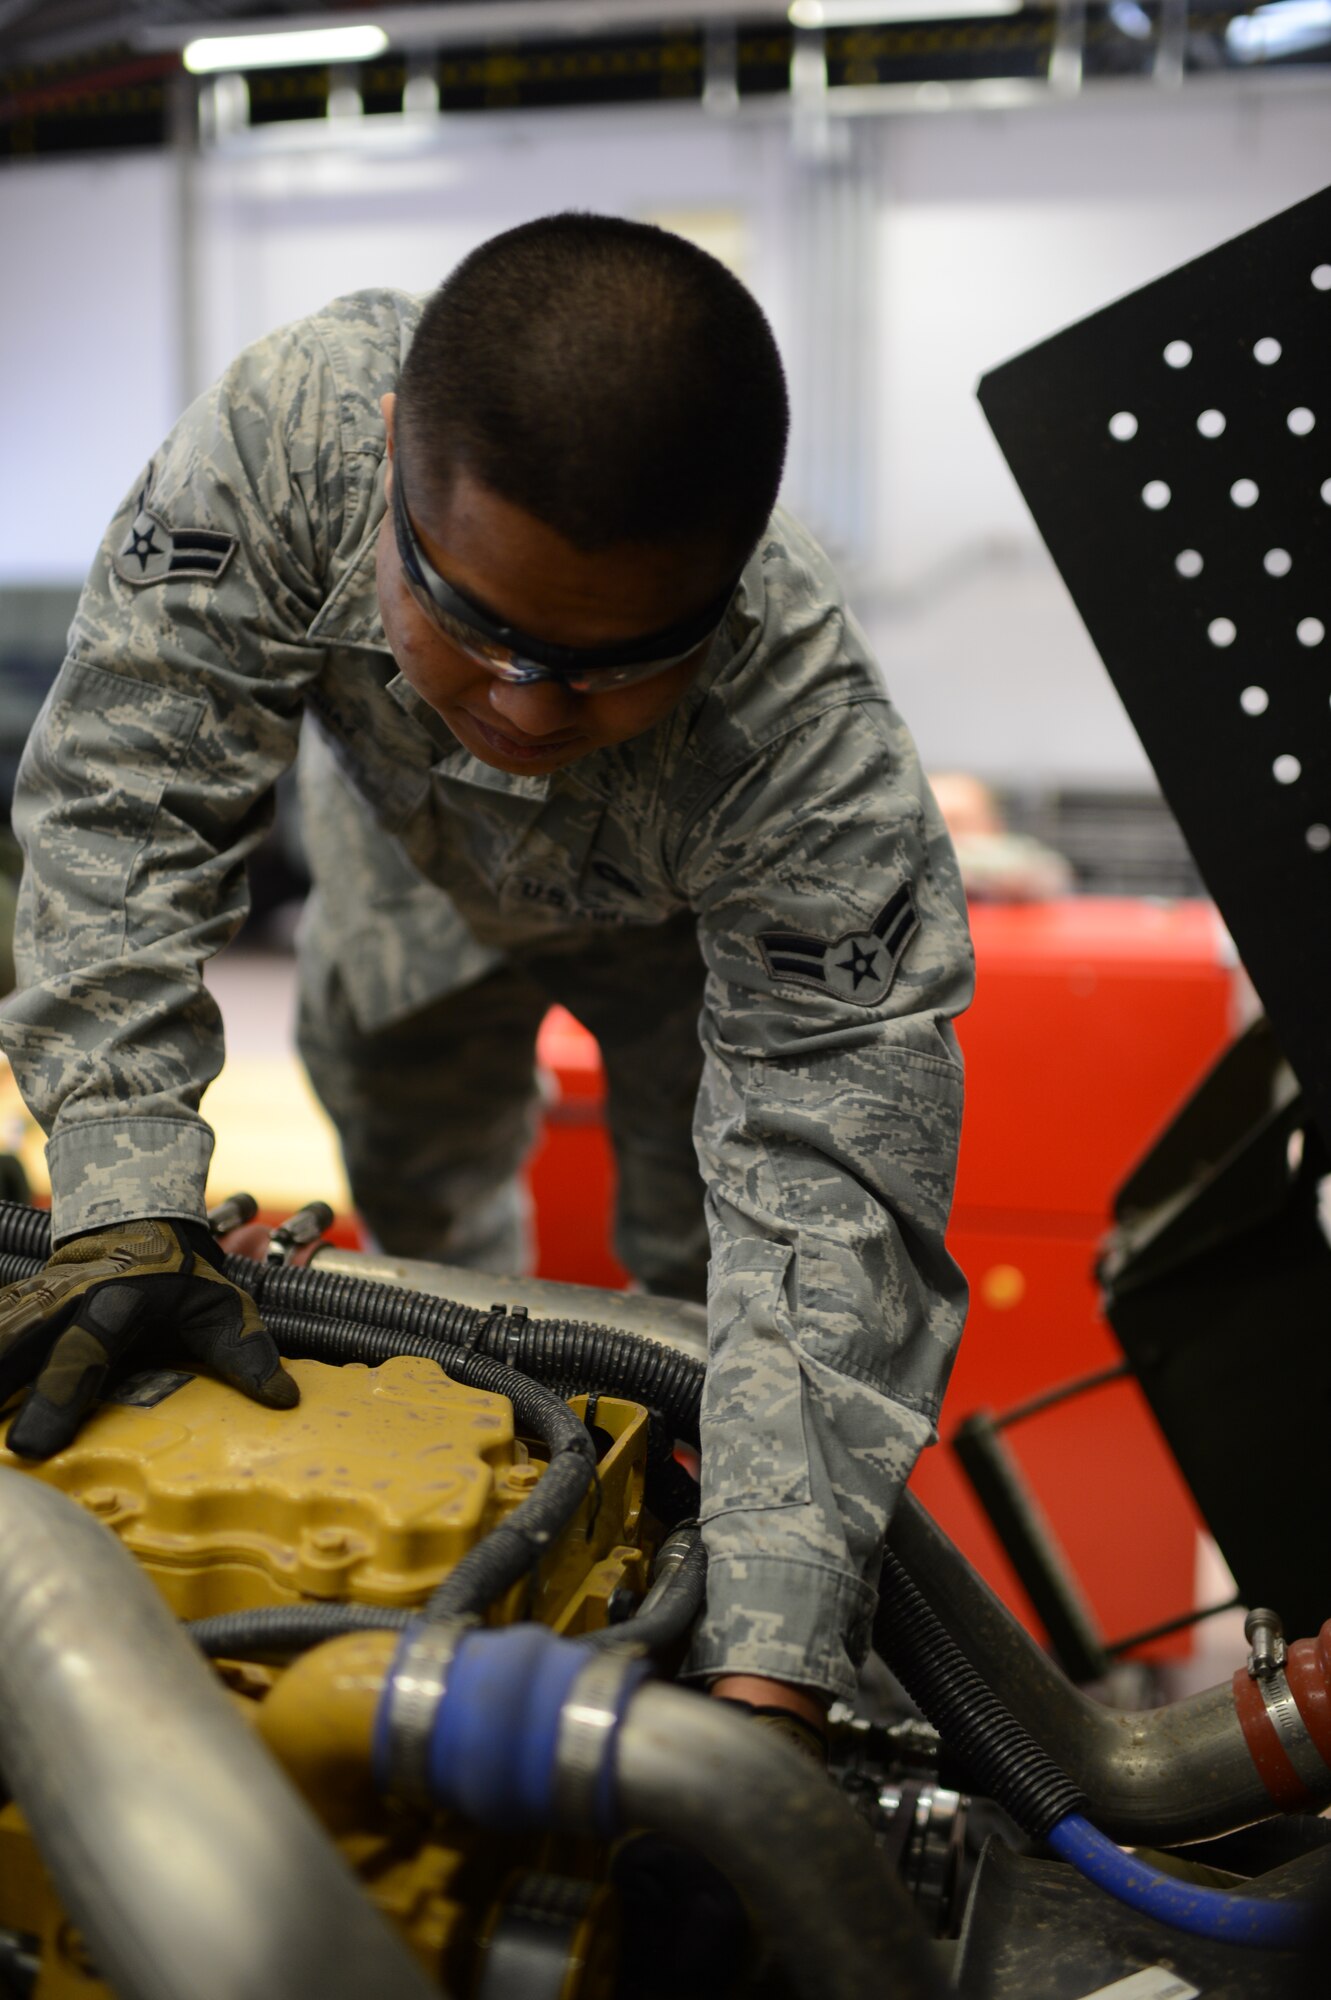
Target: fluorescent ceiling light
1131	19
878	13
281	51
1279	30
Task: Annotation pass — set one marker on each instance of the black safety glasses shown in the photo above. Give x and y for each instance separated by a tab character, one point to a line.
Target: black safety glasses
514	656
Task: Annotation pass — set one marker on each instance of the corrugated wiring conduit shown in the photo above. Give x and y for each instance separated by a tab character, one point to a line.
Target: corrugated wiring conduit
1163	1776
339	1318
1006	1763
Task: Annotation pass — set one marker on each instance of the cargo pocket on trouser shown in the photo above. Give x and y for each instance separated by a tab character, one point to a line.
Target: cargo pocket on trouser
754	1455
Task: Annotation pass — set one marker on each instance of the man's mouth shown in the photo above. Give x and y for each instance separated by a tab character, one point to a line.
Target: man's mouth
521	747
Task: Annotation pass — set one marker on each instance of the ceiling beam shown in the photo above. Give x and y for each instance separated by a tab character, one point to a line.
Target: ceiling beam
470	22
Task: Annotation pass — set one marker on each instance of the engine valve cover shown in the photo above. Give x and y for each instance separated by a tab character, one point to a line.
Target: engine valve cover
370	1491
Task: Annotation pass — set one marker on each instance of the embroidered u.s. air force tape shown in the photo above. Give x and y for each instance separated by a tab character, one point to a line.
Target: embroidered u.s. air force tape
153	553
859	965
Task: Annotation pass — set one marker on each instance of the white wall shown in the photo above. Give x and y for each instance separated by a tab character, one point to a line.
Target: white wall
939	247
282	235
89	375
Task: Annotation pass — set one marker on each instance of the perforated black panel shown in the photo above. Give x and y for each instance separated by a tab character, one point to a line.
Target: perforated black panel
1175	450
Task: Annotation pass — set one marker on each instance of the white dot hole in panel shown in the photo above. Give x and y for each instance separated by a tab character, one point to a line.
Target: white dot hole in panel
1222	631
1266	350
1188	562
1310	631
1322	278
1301	421
1244	492
1211	423
1318	837
1287	770
1277	562
1155	494
1123	426
1254	701
1326	491
1178	354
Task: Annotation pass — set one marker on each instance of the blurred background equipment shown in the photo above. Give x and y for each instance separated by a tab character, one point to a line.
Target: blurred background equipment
909	197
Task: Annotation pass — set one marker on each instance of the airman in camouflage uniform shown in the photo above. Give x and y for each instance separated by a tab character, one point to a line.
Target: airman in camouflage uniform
754	905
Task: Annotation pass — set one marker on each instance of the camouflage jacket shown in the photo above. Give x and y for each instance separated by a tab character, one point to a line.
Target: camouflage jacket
781	801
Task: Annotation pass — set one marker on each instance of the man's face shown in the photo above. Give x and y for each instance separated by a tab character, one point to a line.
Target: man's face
526	575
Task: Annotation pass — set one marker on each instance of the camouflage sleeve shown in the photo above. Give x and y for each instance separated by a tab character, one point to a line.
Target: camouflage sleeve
834	932
147	780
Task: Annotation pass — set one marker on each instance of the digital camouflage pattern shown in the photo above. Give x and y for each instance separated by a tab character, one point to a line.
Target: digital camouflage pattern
782	799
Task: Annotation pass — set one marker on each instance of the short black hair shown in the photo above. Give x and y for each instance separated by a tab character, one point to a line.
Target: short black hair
609	377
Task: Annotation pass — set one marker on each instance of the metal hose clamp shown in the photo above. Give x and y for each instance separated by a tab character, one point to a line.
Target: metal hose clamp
1289	1725
585	1742
417	1683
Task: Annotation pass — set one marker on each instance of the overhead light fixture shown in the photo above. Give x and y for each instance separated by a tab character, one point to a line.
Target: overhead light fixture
1131	19
881	13
283	50
1287	28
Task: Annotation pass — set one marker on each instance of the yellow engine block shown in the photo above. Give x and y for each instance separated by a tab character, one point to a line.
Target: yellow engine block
369	1492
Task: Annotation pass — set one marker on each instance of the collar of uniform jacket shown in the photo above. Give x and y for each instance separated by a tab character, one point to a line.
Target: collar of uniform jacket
350	617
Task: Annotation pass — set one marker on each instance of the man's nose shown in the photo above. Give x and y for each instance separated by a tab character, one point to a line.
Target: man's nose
537	708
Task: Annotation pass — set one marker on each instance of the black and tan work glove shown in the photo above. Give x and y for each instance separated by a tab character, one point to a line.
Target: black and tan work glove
66	1326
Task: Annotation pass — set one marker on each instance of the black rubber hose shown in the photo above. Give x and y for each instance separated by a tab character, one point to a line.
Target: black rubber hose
282	1629
571	1355
1000	1759
666	1616
576	1356
25	1232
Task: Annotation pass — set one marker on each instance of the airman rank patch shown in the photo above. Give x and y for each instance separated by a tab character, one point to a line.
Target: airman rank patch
153	553
859	966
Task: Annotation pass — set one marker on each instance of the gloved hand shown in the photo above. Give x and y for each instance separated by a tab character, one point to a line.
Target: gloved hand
96	1293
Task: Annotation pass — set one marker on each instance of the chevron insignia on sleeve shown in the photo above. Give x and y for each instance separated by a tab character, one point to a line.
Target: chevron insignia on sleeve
153	553
858	966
